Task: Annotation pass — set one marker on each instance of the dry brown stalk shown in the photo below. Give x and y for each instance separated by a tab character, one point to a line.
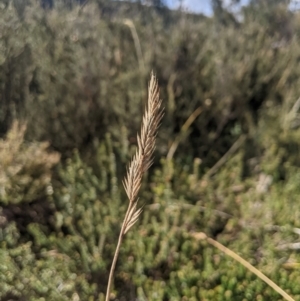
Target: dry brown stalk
140	163
245	263
183	132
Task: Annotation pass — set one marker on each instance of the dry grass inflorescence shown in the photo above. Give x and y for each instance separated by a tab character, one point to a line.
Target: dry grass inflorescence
140	163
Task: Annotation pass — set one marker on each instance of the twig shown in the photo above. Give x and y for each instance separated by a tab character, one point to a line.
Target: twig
224	159
245	263
193	207
137	43
182	133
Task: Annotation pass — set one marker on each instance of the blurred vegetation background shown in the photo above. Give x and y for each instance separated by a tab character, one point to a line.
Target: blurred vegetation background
73	83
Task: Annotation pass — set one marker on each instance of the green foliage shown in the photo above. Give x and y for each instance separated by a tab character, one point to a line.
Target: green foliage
25	168
158	257
76	75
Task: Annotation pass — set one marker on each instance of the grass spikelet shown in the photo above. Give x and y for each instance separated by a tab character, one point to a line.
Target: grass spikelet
141	162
